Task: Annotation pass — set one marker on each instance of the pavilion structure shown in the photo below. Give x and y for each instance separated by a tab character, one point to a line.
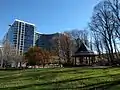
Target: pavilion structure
83	56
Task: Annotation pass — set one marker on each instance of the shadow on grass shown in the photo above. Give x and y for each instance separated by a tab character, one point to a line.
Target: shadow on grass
97	86
49	75
28	76
103	85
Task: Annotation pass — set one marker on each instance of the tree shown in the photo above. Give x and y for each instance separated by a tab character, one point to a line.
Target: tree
79	36
1	57
63	45
9	55
115	9
33	56
103	24
46	57
37	56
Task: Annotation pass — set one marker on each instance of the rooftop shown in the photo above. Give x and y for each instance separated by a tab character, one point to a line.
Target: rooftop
24	22
83	50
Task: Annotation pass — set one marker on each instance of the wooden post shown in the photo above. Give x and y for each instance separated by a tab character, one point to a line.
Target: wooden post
75	61
86	60
94	59
89	60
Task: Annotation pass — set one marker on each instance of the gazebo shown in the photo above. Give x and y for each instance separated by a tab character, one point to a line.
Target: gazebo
83	56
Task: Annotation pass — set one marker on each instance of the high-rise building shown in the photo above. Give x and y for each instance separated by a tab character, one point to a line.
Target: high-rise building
37	36
22	35
46	41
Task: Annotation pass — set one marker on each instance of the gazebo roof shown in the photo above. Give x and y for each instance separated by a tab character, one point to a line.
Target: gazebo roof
83	50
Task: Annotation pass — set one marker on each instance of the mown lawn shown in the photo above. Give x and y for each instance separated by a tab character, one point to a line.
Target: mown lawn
61	78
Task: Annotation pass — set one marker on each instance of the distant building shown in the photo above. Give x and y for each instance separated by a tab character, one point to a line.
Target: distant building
46	41
37	36
21	34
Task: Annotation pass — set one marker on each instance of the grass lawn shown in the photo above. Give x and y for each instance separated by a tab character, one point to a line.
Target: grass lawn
61	78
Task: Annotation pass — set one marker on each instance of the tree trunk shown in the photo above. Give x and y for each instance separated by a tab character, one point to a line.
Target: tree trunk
1	63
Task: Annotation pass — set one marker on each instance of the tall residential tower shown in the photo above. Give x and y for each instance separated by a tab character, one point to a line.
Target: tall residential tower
22	35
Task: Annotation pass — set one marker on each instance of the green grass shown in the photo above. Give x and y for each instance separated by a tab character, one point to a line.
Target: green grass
61	78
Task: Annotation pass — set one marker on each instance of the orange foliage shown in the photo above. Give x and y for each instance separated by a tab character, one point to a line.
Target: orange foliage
37	56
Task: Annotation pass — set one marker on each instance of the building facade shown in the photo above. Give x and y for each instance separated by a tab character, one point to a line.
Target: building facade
46	41
37	36
22	35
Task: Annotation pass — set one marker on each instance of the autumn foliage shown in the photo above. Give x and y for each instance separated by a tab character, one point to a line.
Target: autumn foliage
37	56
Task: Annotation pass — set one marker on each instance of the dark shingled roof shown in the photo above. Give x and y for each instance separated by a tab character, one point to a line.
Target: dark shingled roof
83	50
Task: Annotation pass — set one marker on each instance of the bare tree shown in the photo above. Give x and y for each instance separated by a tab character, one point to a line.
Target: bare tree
57	48
78	36
91	43
1	57
103	23
64	48
115	9
97	43
10	55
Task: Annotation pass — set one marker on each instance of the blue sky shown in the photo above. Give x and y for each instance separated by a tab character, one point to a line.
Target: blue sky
49	16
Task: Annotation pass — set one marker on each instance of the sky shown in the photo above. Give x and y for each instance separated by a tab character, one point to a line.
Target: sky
49	16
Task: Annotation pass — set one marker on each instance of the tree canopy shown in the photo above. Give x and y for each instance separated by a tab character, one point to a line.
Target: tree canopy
37	56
